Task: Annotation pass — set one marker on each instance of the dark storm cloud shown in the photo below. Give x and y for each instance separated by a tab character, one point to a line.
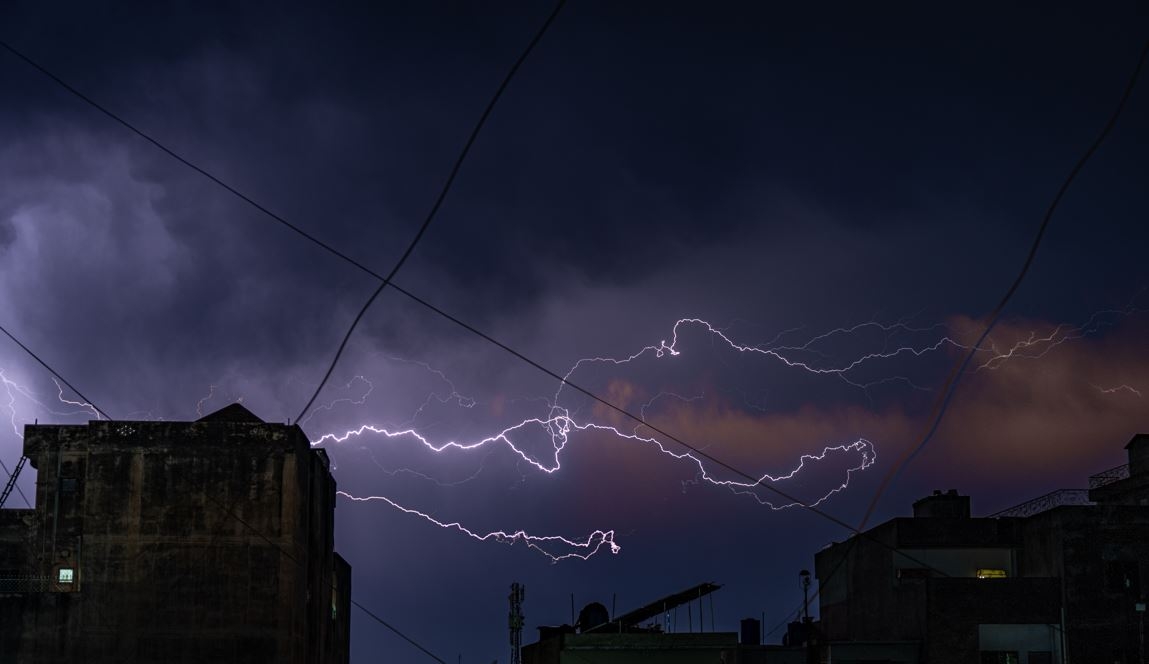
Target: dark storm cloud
628	142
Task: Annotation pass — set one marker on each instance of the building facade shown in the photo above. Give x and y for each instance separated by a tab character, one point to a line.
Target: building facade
1059	579
196	541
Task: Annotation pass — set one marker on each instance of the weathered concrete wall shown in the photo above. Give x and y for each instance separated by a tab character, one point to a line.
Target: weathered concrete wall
1095	549
202	541
955	608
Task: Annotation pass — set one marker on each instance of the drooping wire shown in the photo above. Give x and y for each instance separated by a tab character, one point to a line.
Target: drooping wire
438	200
941	404
950	383
290	556
756	482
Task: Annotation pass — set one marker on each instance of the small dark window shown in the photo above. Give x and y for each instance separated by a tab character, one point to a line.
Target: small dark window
999	657
1040	657
1123	576
68	485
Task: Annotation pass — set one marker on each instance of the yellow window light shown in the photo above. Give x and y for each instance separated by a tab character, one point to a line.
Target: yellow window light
991	574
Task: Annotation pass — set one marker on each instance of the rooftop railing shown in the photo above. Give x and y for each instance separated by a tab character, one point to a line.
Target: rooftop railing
1058	498
23	584
1109	476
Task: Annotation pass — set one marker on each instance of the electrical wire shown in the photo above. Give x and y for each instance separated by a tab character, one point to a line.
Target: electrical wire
384	281
52	371
941	404
396	631
63	380
387	280
298	562
940	407
438	200
228	512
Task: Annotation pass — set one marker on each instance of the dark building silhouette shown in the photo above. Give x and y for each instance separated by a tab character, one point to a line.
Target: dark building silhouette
637	636
676	630
1061	578
205	541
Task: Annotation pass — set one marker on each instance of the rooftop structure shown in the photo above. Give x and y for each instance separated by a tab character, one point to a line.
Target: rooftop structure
174	542
1057	579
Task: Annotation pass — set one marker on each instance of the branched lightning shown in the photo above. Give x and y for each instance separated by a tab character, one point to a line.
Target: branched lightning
83	405
14	390
811	356
559	425
582	550
1037	345
393	472
354	401
208	397
1119	388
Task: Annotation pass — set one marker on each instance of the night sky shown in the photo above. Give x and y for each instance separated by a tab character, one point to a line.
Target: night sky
840	191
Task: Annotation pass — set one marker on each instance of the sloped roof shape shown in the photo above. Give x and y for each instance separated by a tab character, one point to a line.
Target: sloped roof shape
231	413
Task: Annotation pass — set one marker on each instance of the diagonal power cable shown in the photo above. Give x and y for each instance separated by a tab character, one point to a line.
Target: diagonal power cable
694	450
941	404
52	371
472	329
231	512
438	200
384	281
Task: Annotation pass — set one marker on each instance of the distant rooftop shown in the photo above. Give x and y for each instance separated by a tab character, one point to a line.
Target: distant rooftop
232	413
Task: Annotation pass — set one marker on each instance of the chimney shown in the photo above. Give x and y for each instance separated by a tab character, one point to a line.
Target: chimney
948	505
751	632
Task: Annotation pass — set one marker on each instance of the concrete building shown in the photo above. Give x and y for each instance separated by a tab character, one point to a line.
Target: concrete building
205	541
1058	579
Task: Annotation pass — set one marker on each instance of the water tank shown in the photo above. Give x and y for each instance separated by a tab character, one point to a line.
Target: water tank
592	615
751	632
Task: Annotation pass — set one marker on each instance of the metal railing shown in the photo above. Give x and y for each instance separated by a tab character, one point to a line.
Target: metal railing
23	584
1049	501
1109	476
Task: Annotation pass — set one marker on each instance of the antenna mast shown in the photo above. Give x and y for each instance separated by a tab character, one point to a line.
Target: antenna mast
516	622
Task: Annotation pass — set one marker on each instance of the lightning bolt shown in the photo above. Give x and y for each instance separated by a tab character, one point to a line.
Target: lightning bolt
559	425
1119	388
582	550
14	389
208	397
1038	345
332	404
18	392
810	355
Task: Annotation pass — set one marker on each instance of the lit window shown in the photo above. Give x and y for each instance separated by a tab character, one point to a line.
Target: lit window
66	575
991	574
